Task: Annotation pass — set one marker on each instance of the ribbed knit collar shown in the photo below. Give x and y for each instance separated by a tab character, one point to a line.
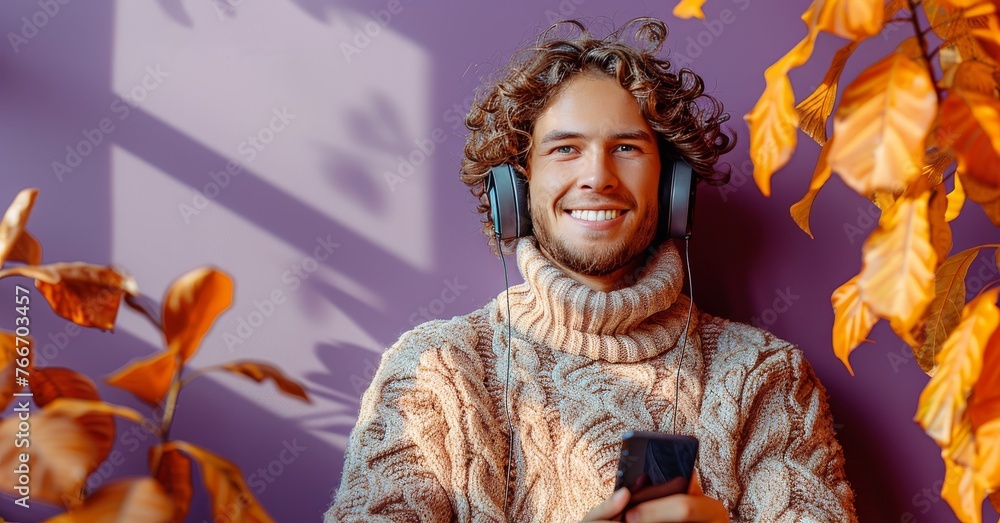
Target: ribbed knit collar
630	324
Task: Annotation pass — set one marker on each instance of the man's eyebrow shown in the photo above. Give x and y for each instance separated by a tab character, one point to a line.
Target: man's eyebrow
557	135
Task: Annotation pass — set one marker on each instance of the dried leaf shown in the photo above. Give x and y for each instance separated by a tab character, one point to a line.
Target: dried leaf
882	121
86	294
940	230
225	485
173	472
935	165
52	383
944	311
39	272
689	9
852	322
191	306
9	354
148	378
26	250
129	499
75	408
816	108
956	198
801	209
260	371
955	26
14	220
984	415
943	401
773	119
852	19
988	197
970	125
61	455
962	492
974	77
897	278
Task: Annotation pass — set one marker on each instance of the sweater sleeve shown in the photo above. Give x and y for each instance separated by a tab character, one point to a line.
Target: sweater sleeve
791	467
387	476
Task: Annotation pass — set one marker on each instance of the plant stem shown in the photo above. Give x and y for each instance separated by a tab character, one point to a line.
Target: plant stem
923	47
171	404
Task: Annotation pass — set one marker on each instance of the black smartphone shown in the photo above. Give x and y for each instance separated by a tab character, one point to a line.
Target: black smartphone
654	465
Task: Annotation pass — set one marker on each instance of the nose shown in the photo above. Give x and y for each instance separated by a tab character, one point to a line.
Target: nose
598	173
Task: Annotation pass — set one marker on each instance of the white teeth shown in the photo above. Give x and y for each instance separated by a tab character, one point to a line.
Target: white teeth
595	216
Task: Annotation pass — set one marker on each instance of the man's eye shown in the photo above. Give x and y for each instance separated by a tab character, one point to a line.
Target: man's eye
565	149
626	148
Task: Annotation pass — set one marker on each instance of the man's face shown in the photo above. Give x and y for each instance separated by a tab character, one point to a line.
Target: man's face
593	173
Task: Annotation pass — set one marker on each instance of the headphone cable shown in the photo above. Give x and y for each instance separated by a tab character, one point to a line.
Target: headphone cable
506	385
680	360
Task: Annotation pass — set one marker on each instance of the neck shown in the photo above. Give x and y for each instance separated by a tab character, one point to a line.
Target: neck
603	283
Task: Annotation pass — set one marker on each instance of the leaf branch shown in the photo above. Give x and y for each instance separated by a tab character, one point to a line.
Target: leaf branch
922	40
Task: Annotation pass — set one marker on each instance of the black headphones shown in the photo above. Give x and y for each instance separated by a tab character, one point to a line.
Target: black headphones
508	196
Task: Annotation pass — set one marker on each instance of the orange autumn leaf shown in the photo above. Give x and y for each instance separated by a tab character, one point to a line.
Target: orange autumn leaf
51	383
883	119
61	456
974	77
943	401
148	378
897	276
13	221
26	250
12	349
945	310
689	9
801	209
962	492
937	209
970	125
816	108
852	321
956	199
63	450
260	371
172	470
852	19
191	305
225	485
984	415
987	196
130	499
773	120
88	295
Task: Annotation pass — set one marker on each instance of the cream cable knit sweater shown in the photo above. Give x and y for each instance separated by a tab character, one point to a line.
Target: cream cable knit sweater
431	440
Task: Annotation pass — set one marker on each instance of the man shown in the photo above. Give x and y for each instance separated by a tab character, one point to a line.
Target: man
597	329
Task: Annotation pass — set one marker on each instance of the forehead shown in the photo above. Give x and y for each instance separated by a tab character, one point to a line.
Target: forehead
592	104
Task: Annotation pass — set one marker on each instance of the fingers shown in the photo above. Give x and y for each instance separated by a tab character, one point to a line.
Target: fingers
679	507
610	508
694	487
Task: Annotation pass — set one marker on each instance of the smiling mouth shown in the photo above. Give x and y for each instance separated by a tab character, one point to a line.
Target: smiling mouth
596	215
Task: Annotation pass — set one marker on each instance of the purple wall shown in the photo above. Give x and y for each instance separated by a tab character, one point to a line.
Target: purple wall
355	260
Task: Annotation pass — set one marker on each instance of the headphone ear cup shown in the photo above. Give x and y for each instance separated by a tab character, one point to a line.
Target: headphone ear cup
677	190
508	196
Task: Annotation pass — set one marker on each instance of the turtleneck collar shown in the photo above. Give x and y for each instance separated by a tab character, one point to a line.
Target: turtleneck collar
627	325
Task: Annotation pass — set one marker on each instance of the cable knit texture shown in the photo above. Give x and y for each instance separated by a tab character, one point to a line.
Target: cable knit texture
430	444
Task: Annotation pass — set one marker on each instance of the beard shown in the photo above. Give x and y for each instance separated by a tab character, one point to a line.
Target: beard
603	260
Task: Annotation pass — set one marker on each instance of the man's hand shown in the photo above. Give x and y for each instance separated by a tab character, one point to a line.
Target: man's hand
691	507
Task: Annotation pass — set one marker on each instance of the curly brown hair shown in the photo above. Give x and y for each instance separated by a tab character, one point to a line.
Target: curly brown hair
687	122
